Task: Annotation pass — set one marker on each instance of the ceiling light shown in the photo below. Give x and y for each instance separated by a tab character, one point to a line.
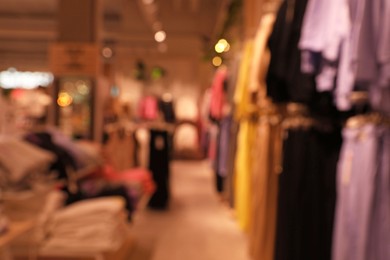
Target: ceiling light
227	48
219	47
222	46
107	52
223	41
160	36
64	99
217	61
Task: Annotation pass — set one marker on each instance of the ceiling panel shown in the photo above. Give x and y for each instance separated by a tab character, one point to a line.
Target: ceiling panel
190	24
28	6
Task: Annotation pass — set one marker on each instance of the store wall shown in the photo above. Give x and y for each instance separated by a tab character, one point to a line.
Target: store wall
184	78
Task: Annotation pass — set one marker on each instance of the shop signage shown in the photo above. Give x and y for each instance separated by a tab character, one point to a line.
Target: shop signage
78	59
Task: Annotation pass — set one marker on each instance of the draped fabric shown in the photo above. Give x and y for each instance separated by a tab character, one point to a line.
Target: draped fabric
266	159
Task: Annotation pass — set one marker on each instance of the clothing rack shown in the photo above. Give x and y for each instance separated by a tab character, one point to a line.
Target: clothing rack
374	118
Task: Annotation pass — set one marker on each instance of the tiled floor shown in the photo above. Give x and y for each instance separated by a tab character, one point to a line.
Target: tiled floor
196	226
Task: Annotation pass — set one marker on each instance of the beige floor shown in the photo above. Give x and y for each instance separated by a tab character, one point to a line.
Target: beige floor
196	226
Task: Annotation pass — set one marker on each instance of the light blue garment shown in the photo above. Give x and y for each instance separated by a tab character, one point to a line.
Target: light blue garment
380	84
365	57
379	239
362	220
326	26
355	192
353	38
224	141
347	71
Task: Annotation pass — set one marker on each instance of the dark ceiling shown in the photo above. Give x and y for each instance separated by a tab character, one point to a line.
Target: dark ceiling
28	27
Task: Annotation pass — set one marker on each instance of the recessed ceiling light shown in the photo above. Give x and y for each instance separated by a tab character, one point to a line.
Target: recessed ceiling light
217	61
160	36
107	52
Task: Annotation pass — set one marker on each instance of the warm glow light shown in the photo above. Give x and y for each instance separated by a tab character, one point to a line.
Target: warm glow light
82	88
223	41
219	47
12	78
160	36
217	61
227	48
222	46
64	99
148	2
107	52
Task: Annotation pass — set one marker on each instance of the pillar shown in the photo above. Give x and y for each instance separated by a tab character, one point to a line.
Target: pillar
75	61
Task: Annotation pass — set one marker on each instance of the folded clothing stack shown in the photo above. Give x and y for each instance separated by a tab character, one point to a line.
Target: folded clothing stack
91	225
37	206
20	160
22	205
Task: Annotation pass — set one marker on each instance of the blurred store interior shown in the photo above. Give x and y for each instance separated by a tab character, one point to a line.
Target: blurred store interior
194	129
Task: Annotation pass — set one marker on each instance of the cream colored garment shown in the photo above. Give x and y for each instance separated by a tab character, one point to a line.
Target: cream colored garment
267	159
39	205
27	205
261	55
266	155
94	239
19	158
105	205
95	224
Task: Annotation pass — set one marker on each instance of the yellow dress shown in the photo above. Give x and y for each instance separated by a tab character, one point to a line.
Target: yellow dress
243	191
241	94
246	132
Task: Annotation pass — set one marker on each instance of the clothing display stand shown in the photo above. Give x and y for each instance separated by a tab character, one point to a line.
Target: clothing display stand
159	166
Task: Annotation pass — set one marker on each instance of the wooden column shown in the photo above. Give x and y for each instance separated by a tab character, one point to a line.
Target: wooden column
76	53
